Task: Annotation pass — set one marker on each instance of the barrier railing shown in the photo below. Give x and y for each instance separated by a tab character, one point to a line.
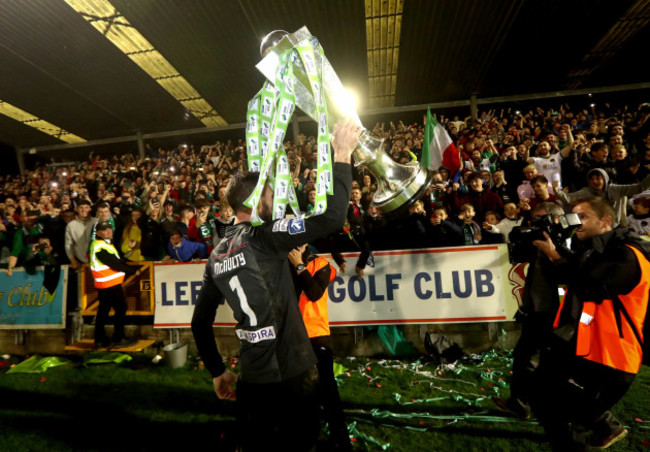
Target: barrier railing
138	290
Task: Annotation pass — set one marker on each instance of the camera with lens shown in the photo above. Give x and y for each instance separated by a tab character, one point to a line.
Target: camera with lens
559	229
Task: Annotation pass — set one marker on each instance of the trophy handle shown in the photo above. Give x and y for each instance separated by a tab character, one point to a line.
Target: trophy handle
398	185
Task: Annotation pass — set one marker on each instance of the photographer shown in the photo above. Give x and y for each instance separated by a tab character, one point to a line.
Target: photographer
536	314
596	353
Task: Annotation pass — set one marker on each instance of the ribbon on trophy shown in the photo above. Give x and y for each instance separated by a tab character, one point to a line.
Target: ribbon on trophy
268	116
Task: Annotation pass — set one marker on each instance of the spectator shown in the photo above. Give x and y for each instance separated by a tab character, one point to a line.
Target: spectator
78	233
596	158
639	220
368	187
151	244
132	238
549	164
540	188
525	189
598	185
103	214
180	249
506	192
203	227
436	194
491	220
471	229
482	200
444	232
25	239
169	218
511	220
185	218
224	220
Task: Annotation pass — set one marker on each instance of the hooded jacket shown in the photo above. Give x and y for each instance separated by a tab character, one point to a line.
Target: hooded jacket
616	194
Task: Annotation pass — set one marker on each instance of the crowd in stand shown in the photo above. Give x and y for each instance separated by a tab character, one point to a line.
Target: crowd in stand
170	206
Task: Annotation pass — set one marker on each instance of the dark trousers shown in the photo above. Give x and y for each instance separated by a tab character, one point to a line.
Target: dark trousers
278	416
573	396
536	331
112	297
329	392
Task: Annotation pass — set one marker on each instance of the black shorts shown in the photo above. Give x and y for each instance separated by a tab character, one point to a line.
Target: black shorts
279	416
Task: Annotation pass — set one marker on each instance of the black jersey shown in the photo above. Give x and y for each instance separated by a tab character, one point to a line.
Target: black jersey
249	268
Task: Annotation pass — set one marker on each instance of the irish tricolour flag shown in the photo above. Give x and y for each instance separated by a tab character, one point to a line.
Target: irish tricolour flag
438	148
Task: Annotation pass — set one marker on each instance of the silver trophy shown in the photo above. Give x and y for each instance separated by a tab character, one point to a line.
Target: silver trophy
398	185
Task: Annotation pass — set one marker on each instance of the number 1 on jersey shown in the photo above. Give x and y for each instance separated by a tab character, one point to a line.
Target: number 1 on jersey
235	285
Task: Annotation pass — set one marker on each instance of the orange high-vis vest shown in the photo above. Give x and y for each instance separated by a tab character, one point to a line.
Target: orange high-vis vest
104	275
314	313
599	339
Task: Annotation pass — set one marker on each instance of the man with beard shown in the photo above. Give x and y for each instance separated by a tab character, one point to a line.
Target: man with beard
277	403
548	164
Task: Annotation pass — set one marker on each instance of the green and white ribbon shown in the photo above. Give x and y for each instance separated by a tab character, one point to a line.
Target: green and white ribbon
268	116
305	50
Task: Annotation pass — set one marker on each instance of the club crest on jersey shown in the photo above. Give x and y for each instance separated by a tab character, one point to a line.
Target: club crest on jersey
296	226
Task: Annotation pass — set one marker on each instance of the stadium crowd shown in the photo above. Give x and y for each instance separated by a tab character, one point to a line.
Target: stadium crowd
170	206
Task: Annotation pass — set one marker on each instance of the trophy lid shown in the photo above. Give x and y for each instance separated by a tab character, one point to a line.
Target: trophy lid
271	40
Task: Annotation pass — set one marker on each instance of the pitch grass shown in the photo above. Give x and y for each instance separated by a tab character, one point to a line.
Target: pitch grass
393	405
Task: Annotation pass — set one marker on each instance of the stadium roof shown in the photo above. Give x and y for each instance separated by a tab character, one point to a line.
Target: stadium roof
82	70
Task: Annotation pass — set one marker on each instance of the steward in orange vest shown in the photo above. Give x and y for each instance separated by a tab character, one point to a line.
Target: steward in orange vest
311	276
108	274
597	354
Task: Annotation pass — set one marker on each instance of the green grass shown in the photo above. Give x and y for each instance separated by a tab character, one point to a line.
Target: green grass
397	405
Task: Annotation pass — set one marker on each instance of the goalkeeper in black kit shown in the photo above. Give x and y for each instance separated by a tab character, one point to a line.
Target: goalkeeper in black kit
276	395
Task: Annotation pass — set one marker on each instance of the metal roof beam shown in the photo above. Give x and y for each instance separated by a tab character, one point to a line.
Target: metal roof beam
367	112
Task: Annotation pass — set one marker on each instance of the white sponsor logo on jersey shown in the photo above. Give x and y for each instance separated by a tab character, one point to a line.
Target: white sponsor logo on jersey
281	225
263	334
